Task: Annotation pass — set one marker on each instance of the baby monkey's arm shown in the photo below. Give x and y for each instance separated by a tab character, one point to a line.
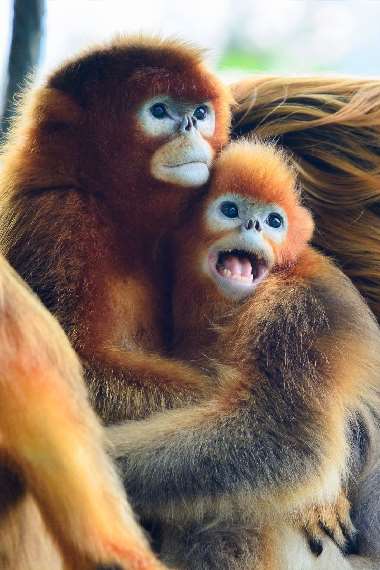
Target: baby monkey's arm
276	430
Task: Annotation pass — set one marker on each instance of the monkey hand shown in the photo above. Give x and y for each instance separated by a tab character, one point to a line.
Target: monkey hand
333	520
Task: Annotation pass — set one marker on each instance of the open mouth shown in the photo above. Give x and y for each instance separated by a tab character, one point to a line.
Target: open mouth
188	174
237	271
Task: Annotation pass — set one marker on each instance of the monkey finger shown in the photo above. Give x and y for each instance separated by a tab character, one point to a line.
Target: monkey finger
343	535
335	521
315	544
335	534
314	536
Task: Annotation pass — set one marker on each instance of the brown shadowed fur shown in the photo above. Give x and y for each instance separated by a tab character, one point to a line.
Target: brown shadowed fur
52	445
294	365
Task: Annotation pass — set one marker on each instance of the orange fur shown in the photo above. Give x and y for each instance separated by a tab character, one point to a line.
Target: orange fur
64	152
259	173
291	366
52	442
331	127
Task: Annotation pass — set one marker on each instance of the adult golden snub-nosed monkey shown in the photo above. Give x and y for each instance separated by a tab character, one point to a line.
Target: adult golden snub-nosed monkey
116	144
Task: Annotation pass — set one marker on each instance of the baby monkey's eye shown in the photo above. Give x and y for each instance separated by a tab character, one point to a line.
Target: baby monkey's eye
229	209
158	110
274	220
200	113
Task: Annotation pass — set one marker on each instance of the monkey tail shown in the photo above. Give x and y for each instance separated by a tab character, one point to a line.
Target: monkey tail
51	439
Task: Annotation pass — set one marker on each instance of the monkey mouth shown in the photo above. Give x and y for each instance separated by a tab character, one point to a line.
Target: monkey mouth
192	173
237	272
179	164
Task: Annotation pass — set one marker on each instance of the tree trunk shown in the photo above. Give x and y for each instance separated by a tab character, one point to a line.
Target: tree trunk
24	53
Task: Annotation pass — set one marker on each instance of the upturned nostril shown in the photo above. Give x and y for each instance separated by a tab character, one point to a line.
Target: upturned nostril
249	225
257	226
186	124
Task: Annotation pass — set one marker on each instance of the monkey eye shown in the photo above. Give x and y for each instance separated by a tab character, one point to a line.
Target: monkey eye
159	111
274	220
229	209
200	113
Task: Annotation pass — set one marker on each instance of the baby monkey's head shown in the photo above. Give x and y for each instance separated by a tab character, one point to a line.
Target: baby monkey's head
252	218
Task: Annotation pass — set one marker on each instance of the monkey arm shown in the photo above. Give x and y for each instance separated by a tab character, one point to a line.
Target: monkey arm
62	265
208	452
305	346
136	384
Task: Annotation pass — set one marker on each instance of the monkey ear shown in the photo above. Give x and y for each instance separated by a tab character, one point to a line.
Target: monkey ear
51	106
301	228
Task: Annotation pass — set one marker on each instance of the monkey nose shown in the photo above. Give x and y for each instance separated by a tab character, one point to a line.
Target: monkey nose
249	224
186	124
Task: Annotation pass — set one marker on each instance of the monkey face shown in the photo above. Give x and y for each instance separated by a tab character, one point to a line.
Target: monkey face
252	218
185	158
249	235
149	119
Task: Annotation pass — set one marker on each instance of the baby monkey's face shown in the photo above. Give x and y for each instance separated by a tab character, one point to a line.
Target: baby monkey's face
244	236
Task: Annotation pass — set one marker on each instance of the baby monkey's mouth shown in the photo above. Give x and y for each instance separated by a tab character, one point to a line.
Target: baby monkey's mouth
237	264
238	271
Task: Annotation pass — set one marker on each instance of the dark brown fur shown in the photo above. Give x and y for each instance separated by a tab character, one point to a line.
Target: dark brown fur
86	225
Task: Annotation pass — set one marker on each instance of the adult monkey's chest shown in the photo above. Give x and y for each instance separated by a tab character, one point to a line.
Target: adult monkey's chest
135	313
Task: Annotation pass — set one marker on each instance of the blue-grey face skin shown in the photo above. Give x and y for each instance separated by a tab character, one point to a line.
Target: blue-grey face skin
239	261
185	159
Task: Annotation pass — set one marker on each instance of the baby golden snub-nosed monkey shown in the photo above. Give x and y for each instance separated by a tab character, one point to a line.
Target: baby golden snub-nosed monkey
331	127
57	485
293	352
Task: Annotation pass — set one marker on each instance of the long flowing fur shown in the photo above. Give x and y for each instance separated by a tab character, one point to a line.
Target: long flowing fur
332	128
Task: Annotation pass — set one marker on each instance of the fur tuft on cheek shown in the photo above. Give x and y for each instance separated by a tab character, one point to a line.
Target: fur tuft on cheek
301	227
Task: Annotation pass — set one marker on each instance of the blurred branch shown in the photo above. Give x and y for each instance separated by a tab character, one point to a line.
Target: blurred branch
24	52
